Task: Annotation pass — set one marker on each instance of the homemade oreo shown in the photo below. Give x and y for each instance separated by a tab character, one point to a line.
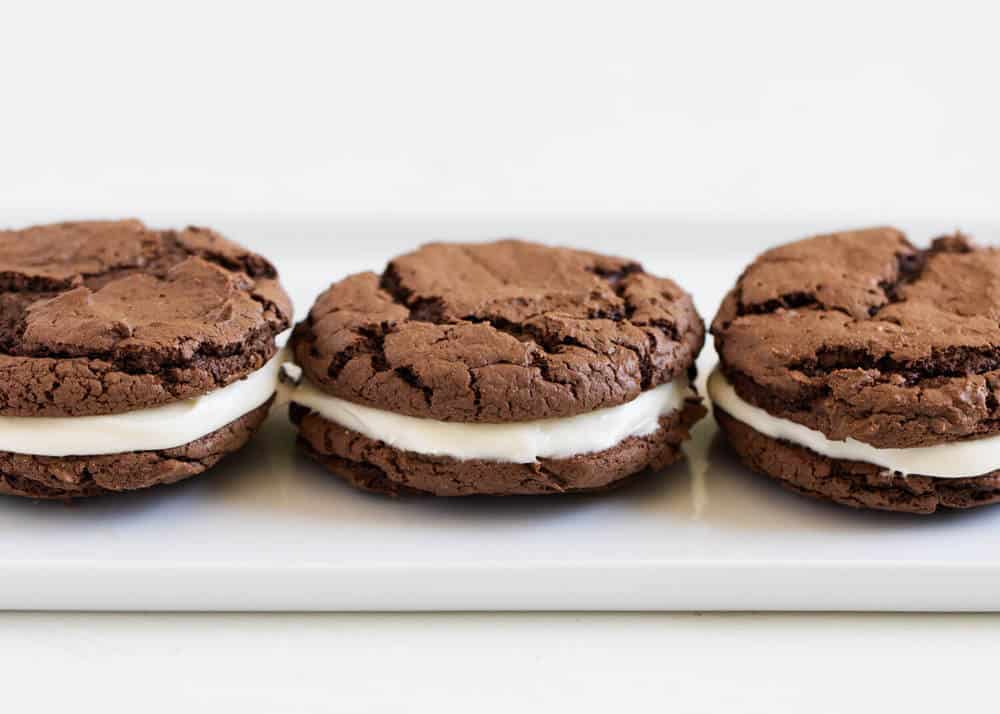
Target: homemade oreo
856	368
129	357
499	368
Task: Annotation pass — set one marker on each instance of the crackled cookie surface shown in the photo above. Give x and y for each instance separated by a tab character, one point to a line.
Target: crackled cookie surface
489	335
870	342
107	318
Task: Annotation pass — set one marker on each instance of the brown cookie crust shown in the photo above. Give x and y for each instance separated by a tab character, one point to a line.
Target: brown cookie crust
108	317
853	483
67	477
373	466
862	335
498	332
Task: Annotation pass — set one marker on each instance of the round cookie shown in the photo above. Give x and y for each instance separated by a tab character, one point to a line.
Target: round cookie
882	351
502	333
107	317
101	318
853	483
66	477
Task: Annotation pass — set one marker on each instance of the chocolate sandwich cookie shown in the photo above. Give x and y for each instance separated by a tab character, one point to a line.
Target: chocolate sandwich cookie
129	357
858	368
498	368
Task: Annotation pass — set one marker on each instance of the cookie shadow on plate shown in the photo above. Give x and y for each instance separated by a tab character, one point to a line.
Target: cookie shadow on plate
272	474
115	507
242	473
323	493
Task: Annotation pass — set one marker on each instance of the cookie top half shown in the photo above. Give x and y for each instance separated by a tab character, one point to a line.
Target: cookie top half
108	317
860	334
498	332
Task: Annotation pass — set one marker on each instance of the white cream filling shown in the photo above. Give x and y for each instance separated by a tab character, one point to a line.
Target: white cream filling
956	459
518	442
153	429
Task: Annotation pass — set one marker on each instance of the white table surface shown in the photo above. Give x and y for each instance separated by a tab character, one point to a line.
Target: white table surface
498	663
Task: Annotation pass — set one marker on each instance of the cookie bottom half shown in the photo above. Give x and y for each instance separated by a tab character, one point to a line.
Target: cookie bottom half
853	483
374	466
68	477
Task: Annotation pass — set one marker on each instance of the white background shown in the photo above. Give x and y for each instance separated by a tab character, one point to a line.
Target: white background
849	111
828	113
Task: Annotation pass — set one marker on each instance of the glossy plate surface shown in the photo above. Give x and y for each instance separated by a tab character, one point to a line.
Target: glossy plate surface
269	530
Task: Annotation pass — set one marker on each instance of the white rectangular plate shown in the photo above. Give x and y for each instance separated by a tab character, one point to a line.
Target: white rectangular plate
269	530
